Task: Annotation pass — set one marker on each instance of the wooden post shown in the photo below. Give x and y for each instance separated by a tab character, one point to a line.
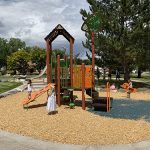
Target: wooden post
71	62
128	94
108	97
83	86
48	52
58	80
93	62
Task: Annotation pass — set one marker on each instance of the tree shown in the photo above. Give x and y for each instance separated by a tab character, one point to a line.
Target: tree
15	44
98	74
79	61
141	38
3	52
113	42
38	56
18	61
56	52
8	47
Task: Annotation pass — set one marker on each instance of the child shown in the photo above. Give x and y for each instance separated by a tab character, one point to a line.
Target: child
130	84
129	88
113	88
29	89
51	104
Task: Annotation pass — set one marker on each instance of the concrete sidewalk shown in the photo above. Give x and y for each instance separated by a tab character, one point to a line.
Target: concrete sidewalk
10	141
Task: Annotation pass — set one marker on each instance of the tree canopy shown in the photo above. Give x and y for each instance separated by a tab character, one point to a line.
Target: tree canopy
122	37
18	61
38	57
7	47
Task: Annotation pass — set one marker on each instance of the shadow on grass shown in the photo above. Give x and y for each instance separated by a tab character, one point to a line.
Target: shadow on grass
127	109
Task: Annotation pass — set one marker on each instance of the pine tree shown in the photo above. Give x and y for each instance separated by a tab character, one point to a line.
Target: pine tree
114	42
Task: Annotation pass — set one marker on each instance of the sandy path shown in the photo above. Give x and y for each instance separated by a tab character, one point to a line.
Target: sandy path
128	121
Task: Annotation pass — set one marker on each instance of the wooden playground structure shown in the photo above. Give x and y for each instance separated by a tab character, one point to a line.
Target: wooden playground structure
68	77
72	76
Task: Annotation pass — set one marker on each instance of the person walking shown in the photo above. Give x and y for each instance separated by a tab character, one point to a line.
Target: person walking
117	75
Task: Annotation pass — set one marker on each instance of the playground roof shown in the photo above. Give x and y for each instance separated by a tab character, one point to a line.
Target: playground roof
58	30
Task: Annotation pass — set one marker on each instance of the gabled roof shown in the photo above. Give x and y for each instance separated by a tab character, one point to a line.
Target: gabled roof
58	30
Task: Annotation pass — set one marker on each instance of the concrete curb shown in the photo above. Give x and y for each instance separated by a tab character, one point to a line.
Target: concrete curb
11	141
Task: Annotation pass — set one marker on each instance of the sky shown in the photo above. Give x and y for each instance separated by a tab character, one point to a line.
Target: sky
32	20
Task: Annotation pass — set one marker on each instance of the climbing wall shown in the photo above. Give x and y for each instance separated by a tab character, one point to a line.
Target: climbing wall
77	76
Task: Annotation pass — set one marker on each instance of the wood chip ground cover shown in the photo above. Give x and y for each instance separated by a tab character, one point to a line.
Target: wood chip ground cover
124	124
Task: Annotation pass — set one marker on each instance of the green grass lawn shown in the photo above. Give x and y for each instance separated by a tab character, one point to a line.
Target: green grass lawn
6	86
120	82
6	78
144	77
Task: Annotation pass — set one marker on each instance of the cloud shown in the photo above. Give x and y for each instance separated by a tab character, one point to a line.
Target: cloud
1	24
32	20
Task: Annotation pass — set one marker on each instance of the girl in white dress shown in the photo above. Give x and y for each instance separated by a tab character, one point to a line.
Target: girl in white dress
29	89
51	104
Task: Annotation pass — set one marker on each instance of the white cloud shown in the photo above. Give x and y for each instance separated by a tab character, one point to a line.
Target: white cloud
32	20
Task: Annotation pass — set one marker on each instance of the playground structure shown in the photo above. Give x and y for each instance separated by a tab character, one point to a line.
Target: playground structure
41	74
69	77
79	77
36	94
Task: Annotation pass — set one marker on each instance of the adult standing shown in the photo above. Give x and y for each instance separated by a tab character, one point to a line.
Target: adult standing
117	75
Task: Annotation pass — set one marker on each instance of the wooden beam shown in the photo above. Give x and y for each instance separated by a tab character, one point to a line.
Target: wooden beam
108	97
58	80
48	52
83	86
71	61
93	61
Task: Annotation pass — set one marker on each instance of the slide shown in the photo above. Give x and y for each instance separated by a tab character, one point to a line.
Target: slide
38	93
44	70
24	86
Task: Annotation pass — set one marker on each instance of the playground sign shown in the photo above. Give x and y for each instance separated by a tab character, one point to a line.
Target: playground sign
92	23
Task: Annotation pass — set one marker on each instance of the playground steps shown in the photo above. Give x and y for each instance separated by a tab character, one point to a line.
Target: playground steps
39	80
38	83
100	103
92	93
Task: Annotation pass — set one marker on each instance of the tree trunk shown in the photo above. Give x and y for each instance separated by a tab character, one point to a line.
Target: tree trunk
139	73
104	75
126	73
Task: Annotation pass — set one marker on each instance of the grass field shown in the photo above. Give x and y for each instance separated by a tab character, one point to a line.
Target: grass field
136	84
6	86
